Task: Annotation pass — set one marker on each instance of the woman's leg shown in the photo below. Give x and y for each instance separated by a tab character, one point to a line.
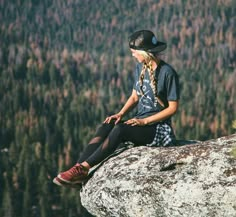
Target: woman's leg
78	173
99	137
121	132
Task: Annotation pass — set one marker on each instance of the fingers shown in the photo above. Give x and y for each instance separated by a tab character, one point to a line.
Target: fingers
128	122
108	119
132	122
117	120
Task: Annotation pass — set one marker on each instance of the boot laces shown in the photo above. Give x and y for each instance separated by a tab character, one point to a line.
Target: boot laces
75	170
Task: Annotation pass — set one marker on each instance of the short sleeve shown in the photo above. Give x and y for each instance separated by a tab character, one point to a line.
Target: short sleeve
136	76
172	86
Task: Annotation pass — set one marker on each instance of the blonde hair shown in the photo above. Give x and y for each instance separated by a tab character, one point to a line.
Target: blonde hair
147	65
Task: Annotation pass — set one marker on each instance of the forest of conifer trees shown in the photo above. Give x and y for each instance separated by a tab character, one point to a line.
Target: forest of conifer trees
65	65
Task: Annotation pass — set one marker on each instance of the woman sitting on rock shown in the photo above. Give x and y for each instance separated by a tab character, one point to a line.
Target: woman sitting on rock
155	93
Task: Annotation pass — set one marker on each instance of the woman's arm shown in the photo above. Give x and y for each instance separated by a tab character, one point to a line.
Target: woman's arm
164	114
160	116
130	103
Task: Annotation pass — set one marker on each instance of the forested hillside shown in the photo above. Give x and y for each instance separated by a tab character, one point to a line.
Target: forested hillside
65	65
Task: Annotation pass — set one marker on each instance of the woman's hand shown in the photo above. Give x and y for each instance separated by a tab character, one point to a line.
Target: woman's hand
136	122
117	117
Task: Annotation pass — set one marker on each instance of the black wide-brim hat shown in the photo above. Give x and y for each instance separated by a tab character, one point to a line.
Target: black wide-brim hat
146	40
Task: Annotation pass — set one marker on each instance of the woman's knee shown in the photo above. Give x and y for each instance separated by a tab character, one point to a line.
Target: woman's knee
119	128
104	128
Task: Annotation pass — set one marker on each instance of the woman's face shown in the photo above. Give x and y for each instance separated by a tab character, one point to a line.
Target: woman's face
139	57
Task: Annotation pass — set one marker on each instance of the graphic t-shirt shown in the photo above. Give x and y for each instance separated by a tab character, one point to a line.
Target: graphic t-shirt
168	89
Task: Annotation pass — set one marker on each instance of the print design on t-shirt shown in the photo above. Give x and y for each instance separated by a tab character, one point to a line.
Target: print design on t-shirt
146	99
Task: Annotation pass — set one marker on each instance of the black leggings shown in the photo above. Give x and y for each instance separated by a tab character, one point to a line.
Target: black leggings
108	137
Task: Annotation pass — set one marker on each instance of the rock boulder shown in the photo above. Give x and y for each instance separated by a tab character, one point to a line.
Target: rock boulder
190	180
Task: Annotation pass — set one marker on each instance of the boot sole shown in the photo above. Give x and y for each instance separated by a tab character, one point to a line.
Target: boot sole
71	182
61	183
